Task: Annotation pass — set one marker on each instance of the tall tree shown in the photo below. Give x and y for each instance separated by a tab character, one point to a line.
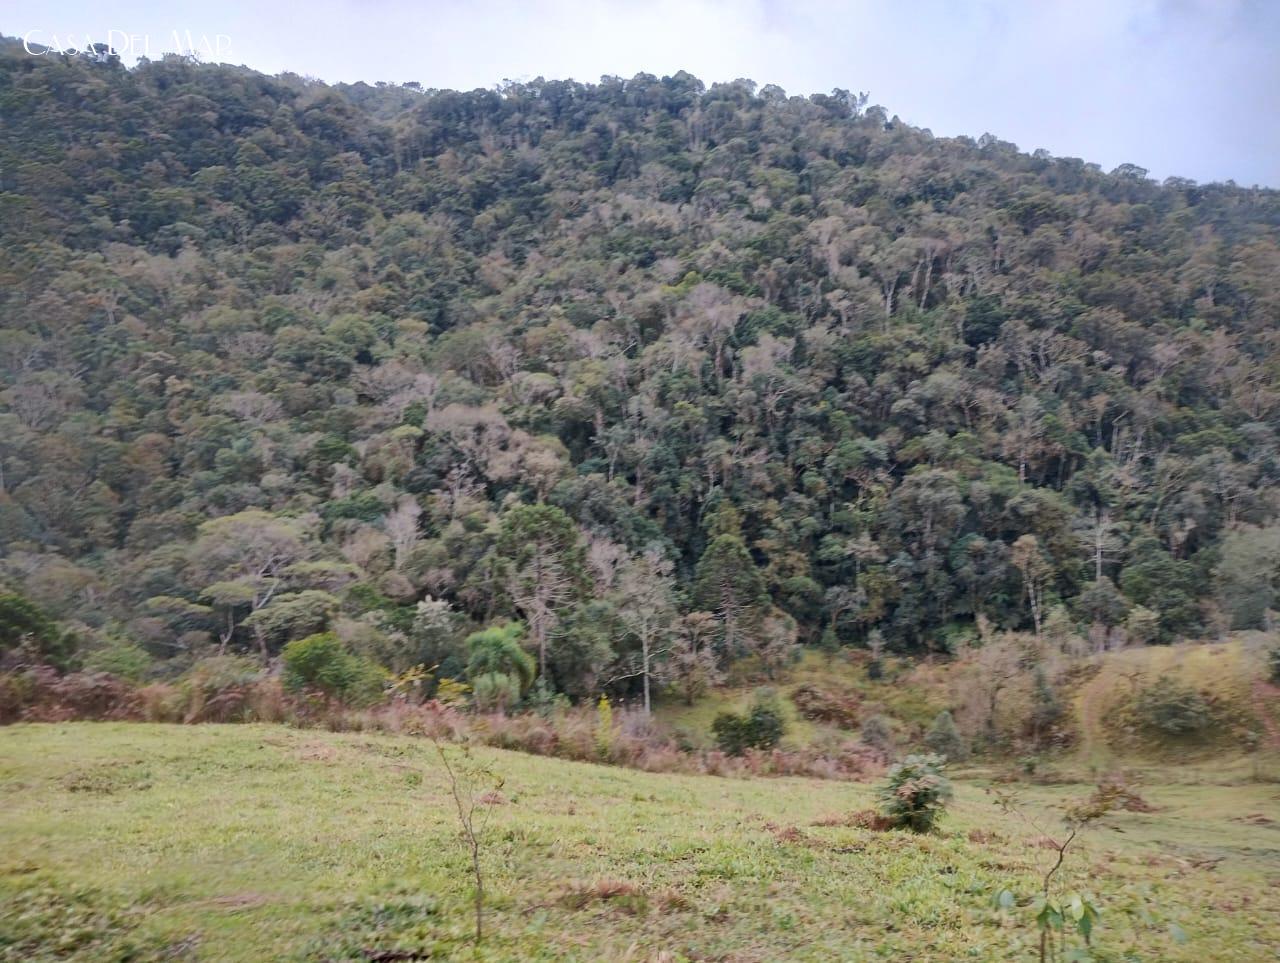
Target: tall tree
543	559
728	583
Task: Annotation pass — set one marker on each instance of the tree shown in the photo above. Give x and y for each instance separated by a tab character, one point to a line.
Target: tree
293	615
401	525
499	668
728	584
646	604
1035	571
321	662
1101	603
1166	585
1247	576
691	667
1100	536
243	560
944	739
995	666
23	626
544	561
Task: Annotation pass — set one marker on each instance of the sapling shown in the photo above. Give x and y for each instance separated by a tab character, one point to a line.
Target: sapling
465	781
1078	911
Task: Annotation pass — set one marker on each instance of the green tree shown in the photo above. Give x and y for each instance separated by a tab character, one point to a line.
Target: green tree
23	626
728	584
496	651
1168	586
321	662
544	564
944	739
1247	576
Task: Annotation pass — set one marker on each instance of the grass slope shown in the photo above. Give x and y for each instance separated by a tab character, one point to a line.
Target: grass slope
262	843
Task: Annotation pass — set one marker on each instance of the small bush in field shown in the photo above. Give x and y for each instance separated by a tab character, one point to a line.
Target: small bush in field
761	728
1170	708
915	793
877	732
944	739
1273	665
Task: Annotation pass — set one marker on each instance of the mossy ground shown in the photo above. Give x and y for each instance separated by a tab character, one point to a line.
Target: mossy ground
128	841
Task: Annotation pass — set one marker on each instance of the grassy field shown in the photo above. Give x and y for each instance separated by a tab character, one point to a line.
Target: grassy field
129	841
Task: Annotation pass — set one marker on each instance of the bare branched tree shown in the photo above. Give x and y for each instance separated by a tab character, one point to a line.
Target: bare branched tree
471	785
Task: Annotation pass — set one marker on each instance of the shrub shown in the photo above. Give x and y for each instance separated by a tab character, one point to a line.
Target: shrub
944	739
604	728
128	660
217	688
877	733
322	663
915	793
26	632
761	728
87	695
1168	707
497	649
1273	664
495	691
823	705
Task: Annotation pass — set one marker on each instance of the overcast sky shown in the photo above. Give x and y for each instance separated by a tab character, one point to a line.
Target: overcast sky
1181	87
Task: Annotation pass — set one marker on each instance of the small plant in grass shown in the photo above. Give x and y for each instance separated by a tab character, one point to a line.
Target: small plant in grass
878	733
1059	916
471	784
1273	665
761	728
915	793
944	739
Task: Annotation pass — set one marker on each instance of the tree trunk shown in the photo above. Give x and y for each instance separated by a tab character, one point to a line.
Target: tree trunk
644	648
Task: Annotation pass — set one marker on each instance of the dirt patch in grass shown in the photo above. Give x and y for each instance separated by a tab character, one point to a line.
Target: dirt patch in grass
859	819
619	894
317	752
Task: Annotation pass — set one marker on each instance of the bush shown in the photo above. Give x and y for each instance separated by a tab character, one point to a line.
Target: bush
915	794
877	732
217	689
495	691
1168	707
322	663
823	705
128	660
944	739
761	728
27	633
1273	663
497	650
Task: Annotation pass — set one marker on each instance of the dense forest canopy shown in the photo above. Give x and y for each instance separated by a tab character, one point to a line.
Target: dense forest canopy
660	371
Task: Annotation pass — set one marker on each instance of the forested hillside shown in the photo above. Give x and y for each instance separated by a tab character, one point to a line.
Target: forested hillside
653	368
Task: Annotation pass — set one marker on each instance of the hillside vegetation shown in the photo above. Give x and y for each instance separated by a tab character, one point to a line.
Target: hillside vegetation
261	842
676	378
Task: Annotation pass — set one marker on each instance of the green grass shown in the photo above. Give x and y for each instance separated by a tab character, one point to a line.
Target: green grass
128	841
914	706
